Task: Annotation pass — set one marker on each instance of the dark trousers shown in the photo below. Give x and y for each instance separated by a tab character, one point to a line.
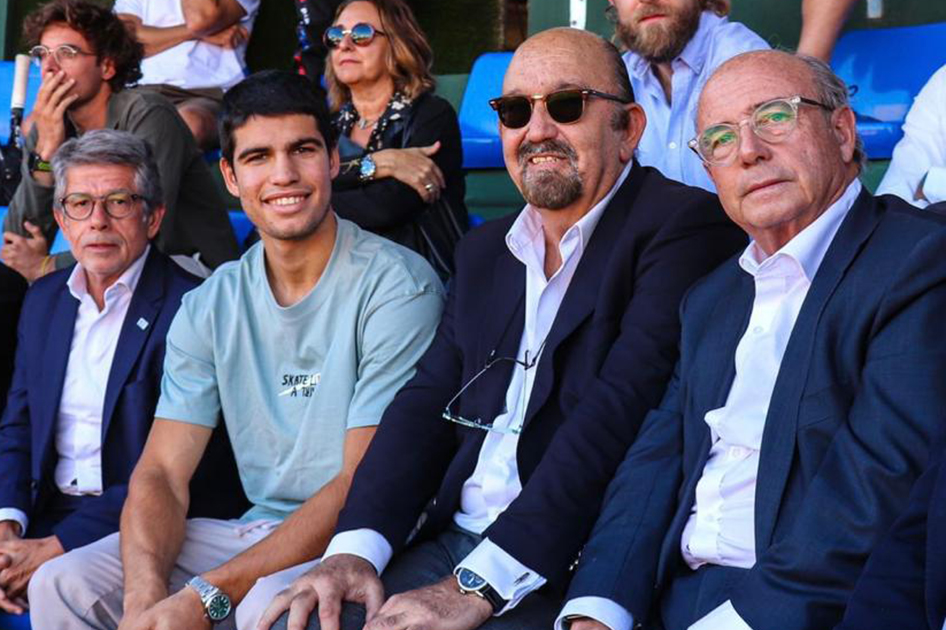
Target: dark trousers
430	562
690	595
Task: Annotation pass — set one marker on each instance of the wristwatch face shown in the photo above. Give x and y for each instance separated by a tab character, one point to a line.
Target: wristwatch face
367	167
470	581
218	608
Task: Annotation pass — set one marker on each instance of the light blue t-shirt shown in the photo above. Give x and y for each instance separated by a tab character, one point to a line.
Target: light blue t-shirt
290	381
671	126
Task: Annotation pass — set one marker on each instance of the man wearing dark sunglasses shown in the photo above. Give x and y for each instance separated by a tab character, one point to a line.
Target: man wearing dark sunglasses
559	332
810	387
673	46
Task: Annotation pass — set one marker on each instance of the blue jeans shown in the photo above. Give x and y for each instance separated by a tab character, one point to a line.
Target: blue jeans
431	561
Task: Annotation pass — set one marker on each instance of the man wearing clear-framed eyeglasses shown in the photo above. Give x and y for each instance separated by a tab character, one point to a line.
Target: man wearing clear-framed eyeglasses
559	332
89	60
89	364
809	390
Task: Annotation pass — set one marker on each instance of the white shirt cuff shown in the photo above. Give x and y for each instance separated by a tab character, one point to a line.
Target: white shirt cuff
723	617
364	543
509	577
601	609
934	186
17	516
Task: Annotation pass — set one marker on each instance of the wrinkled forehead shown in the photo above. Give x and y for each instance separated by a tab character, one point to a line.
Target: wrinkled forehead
541	66
736	90
98	178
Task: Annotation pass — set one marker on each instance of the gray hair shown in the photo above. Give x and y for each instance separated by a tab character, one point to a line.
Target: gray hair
109	146
833	92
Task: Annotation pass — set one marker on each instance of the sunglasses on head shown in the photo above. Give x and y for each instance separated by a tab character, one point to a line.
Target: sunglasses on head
361	34
564	106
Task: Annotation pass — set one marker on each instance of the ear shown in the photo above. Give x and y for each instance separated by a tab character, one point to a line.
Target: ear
844	127
154	221
229	177
61	220
334	162
636	122
107	68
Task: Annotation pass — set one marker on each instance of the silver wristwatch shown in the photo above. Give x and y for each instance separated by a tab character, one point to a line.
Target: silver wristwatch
216	603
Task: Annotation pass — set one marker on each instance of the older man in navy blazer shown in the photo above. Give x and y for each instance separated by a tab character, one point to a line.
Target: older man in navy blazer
559	332
809	388
89	364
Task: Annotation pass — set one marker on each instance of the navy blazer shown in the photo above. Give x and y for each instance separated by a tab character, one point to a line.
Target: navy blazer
28	425
12	289
904	583
858	400
606	361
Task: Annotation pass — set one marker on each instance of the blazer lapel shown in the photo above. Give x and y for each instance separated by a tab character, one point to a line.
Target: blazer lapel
714	373
502	331
778	438
55	360
582	293
136	329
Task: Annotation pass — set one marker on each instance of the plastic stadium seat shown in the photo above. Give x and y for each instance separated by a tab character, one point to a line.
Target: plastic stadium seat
885	69
6	90
14	622
479	125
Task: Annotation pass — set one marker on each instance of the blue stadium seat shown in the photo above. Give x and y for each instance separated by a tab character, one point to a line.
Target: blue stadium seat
6	91
14	622
479	124
242	226
885	69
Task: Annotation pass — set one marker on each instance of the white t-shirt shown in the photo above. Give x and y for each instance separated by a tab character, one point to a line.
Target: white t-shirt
192	64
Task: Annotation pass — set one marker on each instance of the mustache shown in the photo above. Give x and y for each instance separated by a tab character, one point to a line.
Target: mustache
559	147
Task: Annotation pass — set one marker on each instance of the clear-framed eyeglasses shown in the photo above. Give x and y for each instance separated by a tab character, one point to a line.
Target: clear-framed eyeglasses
62	54
772	121
118	204
526	363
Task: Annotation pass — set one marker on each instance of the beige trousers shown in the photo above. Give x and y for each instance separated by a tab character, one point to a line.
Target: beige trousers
83	588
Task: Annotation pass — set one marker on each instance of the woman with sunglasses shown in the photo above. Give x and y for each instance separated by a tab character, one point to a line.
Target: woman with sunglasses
399	143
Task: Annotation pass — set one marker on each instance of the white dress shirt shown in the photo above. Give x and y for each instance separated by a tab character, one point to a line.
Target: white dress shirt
921	153
721	528
78	437
670	125
495	481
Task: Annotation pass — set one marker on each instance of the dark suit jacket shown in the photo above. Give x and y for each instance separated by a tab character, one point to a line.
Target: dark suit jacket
12	289
28	426
857	402
606	361
904	583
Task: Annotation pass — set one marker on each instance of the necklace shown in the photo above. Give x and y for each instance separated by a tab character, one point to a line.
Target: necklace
364	123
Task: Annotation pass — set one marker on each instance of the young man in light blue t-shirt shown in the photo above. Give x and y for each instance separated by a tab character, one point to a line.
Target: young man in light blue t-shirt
299	346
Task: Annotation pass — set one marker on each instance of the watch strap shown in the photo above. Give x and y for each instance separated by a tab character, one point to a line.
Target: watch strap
36	163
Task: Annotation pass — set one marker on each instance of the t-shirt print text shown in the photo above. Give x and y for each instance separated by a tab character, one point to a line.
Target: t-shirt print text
300	384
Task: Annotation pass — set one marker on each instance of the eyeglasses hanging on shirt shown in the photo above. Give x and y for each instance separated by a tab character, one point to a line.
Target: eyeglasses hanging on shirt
514	428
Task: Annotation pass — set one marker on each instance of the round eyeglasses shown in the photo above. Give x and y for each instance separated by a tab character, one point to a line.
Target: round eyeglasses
118	204
62	54
361	34
563	106
772	121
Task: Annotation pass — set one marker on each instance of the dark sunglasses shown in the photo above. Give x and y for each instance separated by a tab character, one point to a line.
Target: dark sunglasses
564	106
362	34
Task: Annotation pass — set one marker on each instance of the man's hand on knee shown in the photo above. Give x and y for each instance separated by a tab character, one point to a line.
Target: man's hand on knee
341	578
440	606
19	560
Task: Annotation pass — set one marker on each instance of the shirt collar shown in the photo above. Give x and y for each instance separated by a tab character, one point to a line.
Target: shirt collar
526	230
809	246
79	288
694	53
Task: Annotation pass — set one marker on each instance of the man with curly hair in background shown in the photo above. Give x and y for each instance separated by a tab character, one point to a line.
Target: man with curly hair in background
89	58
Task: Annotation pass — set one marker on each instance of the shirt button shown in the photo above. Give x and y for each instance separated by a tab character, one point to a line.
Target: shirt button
672	145
758	330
